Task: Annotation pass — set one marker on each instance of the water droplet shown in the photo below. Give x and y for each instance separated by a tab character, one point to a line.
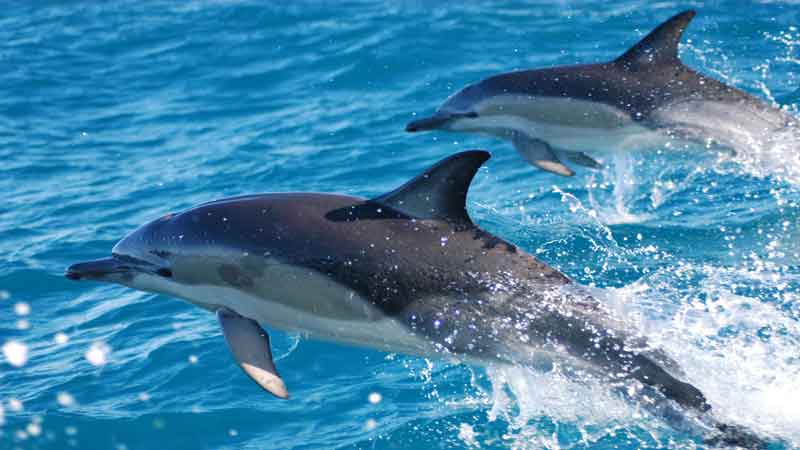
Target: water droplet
371	424
467	434
70	431
144	396
23	324
16	353
22	309
193	359
97	355
61	338
65	399
233	432
15	405
4	295
34	429
375	398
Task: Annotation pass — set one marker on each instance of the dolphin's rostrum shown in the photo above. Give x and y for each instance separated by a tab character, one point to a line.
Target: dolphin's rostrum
646	98
407	271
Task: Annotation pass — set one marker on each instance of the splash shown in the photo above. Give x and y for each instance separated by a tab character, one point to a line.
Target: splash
623	183
739	349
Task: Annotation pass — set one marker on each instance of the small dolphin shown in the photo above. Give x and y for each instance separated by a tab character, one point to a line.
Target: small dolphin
405	272
643	99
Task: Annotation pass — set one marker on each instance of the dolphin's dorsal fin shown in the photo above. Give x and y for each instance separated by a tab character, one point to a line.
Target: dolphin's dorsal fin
660	47
441	191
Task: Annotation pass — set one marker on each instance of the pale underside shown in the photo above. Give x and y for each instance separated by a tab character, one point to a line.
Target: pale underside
569	124
563	123
316	306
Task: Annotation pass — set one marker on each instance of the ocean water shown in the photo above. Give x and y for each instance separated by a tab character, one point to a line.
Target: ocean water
114	113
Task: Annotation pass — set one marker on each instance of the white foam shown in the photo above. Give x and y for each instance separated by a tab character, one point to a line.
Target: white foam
740	351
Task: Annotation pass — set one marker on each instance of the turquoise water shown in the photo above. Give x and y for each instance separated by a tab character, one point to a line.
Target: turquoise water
112	115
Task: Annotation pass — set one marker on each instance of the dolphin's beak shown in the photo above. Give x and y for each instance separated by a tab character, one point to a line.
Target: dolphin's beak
98	270
437	121
428	123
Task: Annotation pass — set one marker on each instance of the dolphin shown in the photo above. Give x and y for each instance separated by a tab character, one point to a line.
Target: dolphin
646	98
407	271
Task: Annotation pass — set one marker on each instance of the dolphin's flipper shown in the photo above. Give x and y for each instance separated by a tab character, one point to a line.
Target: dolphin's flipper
250	346
660	47
540	154
580	158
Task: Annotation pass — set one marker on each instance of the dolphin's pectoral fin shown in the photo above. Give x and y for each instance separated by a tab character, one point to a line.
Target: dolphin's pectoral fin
250	346
581	159
540	154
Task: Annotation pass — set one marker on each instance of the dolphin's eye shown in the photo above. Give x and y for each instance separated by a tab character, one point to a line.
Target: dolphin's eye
160	253
164	272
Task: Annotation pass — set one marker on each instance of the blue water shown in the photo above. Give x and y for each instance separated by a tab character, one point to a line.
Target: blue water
114	114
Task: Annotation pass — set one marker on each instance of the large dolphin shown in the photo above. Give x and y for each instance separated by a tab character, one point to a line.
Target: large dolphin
406	272
646	98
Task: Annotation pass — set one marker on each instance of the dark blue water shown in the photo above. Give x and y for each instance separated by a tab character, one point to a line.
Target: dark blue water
114	114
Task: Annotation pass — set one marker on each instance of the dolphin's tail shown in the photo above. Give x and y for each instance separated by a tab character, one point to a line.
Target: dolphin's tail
719	434
651	373
726	435
722	435
586	330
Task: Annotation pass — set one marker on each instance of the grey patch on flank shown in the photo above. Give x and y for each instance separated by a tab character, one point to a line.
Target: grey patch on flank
235	277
